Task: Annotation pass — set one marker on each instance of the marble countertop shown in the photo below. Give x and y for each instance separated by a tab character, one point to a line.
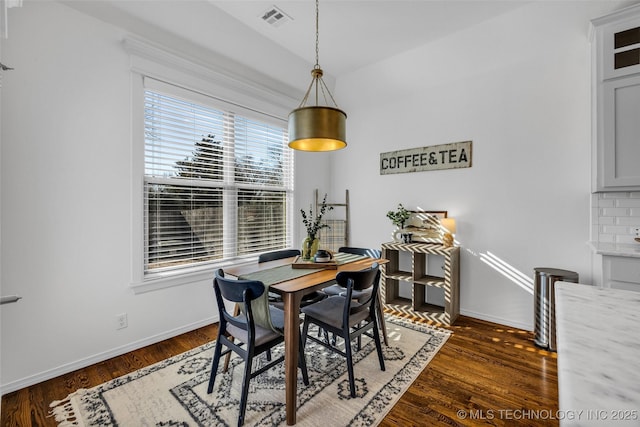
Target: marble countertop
616	249
598	341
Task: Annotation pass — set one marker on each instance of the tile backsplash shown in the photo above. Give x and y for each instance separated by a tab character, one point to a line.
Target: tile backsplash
615	217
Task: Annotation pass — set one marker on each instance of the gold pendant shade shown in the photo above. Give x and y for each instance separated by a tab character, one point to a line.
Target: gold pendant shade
317	127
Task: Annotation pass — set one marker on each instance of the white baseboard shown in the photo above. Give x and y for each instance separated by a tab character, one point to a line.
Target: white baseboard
498	320
100	357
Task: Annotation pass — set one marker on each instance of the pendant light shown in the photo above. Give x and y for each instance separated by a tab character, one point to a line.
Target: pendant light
316	127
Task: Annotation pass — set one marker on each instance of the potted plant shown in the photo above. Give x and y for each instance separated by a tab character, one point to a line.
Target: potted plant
399	216
313	225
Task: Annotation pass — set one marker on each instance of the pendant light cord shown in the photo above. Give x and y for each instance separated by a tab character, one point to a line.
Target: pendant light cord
317	34
317	128
320	85
317	66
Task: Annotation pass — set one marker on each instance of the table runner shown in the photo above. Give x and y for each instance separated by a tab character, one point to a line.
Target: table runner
278	274
272	276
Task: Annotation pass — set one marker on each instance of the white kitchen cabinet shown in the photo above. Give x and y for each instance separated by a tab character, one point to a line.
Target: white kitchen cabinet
621	133
621	273
616	109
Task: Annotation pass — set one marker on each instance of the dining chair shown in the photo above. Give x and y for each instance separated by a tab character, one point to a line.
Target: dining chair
346	317
253	339
275	299
336	289
371	253
280	254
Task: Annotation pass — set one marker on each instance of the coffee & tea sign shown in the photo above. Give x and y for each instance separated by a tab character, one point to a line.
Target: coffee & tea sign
436	157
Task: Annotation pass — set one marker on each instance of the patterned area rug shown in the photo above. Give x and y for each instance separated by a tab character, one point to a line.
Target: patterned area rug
173	392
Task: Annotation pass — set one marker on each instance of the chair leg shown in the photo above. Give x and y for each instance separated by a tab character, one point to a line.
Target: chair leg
305	331
347	350
245	387
376	338
214	365
326	338
382	322
236	311
302	362
227	358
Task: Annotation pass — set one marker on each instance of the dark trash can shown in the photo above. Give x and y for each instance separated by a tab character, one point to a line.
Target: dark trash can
544	303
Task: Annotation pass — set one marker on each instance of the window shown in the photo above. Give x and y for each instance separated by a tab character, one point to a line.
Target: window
218	180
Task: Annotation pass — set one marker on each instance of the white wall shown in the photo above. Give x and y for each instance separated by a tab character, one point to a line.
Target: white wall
518	86
67	202
66	188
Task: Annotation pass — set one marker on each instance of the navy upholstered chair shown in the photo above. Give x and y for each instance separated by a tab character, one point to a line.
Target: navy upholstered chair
346	317
336	289
252	339
274	255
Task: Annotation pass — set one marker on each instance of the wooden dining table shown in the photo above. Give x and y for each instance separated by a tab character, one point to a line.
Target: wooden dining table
292	291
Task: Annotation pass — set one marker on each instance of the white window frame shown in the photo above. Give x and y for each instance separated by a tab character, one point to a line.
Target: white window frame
151	62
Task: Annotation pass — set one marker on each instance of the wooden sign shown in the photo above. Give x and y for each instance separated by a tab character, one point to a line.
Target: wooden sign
436	157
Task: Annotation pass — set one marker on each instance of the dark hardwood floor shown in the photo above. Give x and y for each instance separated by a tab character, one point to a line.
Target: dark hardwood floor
486	374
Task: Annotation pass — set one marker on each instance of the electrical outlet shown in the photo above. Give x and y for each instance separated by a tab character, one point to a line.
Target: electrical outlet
121	321
637	232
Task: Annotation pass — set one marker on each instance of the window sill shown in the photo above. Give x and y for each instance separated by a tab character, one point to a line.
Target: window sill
168	279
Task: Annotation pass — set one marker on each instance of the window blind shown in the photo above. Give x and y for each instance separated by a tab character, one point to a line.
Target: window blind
218	183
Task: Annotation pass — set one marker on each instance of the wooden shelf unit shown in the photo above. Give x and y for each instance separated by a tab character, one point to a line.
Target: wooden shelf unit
420	281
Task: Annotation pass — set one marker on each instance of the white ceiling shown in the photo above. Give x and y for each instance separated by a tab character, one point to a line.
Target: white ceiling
357	33
353	33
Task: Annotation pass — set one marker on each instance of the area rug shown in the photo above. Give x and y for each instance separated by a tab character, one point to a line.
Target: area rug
174	392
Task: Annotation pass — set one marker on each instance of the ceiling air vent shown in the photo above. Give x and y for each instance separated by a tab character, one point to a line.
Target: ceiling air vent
275	17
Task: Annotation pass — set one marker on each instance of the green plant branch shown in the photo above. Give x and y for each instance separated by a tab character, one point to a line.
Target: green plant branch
400	216
313	225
